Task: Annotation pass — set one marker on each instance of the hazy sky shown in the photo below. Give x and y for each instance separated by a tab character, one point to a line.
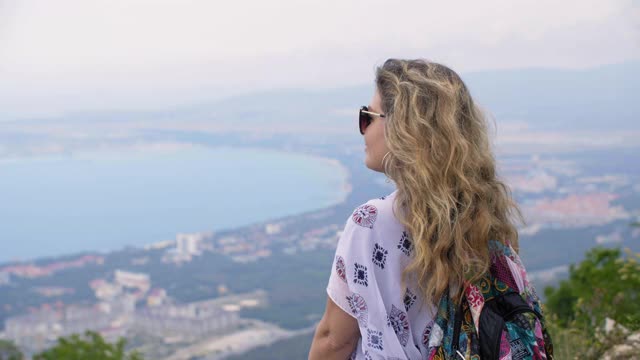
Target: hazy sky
70	55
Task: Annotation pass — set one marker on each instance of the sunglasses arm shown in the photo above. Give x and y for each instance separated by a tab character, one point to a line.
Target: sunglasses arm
372	113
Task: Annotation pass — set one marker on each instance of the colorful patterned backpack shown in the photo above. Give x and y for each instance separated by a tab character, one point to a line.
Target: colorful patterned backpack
499	316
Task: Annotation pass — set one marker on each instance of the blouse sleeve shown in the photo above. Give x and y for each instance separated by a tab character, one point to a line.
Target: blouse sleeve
352	284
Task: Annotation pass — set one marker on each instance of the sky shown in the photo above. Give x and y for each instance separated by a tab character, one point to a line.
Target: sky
63	56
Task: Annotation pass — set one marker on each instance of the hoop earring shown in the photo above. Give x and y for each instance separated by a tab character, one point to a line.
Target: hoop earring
383	158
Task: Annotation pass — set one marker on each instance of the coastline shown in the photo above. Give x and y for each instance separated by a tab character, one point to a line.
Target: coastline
345	190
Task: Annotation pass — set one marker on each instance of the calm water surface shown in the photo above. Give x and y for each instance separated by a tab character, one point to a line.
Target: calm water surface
105	200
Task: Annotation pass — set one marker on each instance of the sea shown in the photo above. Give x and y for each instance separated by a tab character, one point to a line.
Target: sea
104	200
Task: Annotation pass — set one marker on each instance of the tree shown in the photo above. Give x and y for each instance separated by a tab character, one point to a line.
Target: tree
605	284
9	351
91	347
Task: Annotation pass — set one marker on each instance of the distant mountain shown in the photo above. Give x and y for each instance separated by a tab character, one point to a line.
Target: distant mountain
595	99
599	99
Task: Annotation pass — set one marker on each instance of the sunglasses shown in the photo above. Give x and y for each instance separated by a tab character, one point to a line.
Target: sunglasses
366	117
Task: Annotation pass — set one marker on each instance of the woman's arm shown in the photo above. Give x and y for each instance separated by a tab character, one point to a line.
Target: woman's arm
336	336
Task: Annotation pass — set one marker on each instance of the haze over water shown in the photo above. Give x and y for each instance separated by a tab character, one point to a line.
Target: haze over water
105	200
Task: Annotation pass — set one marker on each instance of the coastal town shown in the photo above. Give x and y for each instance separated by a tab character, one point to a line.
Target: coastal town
127	302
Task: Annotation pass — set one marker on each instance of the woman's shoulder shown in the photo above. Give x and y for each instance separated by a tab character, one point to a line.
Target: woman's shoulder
376	212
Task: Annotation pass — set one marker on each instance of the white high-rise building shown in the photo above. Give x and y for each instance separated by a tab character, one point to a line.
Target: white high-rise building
188	244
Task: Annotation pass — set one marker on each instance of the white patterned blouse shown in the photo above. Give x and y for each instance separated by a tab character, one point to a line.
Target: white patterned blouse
372	251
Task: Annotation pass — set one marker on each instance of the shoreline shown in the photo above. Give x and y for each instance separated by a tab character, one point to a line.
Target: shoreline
345	190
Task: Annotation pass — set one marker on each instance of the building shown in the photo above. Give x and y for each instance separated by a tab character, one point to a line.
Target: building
189	322
105	290
193	321
188	244
156	297
40	330
272	229
128	279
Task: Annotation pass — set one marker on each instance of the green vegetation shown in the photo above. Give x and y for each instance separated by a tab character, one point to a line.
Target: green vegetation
9	351
604	285
91	347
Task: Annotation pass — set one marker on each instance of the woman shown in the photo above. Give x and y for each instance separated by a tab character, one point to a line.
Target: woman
399	255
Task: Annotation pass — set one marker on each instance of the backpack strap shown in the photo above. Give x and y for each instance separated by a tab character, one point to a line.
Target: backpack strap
457	325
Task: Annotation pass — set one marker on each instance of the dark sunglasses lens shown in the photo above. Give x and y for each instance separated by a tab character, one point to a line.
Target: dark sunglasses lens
365	120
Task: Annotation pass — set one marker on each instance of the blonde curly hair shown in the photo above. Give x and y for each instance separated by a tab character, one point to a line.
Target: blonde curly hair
449	198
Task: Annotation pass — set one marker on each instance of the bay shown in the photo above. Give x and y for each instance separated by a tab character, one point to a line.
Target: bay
105	200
